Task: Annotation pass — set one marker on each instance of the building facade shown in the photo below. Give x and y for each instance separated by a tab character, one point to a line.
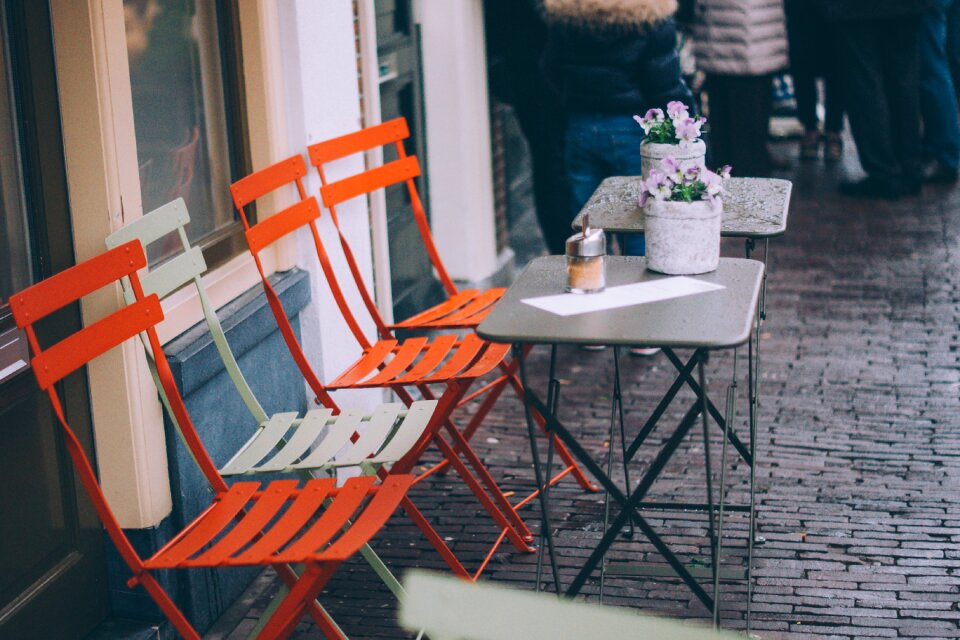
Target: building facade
109	108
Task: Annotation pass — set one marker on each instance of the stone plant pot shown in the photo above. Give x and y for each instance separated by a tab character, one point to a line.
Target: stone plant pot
651	153
683	238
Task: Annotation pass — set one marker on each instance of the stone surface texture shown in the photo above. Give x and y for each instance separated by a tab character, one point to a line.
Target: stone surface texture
859	445
752	207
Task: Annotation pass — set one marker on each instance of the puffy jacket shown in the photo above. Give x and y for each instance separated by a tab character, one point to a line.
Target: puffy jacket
866	10
740	37
614	56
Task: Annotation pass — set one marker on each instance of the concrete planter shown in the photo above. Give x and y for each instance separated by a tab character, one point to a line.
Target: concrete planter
683	238
652	153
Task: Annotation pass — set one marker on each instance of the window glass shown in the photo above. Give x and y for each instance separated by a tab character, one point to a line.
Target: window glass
15	261
179	111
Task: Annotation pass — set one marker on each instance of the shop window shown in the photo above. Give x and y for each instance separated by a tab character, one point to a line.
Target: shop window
187	90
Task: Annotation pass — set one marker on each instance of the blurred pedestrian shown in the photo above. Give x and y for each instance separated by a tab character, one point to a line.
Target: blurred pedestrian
813	55
739	45
938	98
880	60
610	60
516	37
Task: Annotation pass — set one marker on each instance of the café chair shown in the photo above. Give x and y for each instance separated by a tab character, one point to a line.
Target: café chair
282	442
247	523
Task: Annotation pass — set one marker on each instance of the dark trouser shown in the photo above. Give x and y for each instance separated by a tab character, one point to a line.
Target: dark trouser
813	54
739	121
881	65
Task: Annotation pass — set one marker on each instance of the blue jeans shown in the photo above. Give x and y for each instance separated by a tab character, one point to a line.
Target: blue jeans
938	99
599	146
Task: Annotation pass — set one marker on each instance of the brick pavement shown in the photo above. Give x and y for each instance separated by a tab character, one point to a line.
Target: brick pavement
859	474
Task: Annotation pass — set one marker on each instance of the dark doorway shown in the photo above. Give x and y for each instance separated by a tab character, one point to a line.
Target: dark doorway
52	570
401	94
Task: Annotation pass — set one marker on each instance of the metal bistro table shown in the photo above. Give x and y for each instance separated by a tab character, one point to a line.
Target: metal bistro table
719	319
753	209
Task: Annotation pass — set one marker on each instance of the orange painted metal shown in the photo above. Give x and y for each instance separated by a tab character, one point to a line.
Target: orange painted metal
387	362
246	524
462	309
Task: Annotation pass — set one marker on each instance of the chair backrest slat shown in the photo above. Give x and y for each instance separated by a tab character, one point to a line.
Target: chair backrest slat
246	190
383	176
63	358
150	228
56	292
280	224
174	273
375	136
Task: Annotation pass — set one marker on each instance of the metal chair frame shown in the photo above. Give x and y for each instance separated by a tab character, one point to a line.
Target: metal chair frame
247	523
447	360
282	442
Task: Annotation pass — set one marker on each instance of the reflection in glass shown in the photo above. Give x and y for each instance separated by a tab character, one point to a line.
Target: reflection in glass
15	262
179	110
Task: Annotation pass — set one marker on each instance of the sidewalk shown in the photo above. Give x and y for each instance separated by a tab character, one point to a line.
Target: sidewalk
859	446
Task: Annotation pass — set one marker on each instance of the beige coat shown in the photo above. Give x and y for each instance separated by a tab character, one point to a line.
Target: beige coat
740	37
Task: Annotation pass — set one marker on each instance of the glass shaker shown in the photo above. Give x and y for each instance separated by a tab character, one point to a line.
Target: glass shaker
586	252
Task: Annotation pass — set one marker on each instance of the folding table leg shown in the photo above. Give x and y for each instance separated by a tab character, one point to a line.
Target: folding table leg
546	528
752	408
553	401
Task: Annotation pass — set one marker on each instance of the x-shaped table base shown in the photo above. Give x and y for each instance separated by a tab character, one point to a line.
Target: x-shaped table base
632	502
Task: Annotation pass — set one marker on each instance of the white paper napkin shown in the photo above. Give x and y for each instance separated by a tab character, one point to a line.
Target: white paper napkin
570	304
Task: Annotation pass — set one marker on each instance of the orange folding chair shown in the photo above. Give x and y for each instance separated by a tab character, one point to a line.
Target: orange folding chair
447	360
462	309
247	524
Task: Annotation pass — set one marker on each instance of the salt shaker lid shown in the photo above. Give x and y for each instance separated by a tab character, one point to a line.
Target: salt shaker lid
587	244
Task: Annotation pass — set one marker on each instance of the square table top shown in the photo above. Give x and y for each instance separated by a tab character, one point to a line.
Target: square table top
752	207
715	319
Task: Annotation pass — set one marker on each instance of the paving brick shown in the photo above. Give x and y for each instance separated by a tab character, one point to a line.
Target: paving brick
858	445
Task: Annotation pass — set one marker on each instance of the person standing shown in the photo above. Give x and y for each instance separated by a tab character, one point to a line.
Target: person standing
813	46
938	99
610	60
739	44
880	60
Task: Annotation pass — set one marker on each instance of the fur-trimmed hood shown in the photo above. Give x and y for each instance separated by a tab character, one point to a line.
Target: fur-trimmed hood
622	14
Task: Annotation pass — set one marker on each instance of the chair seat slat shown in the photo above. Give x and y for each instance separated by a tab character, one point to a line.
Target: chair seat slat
304	435
438	350
339	434
261	444
265	509
330	522
407	434
467	350
304	507
439	311
406	353
378	511
477	305
213	522
367	363
372	435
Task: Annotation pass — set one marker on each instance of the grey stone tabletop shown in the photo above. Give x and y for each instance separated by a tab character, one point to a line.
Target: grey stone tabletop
714	319
752	207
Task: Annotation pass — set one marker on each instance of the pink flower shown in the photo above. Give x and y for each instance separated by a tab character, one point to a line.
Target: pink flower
691	173
644	193
654	115
677	110
688	130
725	171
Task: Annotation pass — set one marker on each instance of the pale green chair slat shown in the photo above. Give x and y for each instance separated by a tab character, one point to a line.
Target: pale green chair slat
265	440
152	226
452	609
308	433
348	422
174	273
407	434
373	434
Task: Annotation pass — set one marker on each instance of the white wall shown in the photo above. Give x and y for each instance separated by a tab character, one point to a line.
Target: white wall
321	93
458	136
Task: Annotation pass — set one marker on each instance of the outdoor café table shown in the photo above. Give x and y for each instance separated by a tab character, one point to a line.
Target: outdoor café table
718	319
753	209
